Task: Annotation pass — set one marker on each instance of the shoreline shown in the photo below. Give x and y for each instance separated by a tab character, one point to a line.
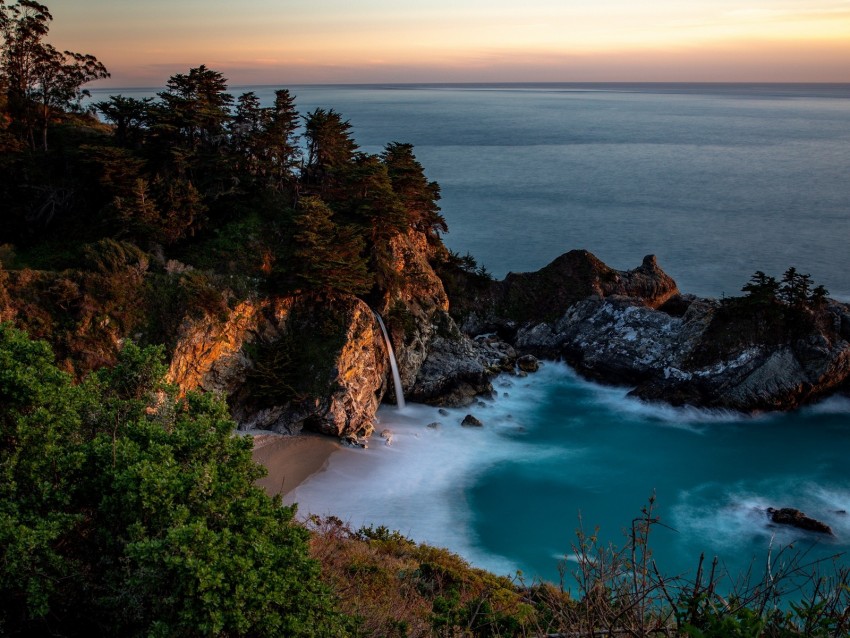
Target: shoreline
290	459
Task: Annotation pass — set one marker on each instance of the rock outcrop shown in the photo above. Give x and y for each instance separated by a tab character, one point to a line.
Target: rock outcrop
289	363
545	295
635	328
415	306
209	353
298	362
795	518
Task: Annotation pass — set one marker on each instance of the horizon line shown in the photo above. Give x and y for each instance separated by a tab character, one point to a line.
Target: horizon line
518	84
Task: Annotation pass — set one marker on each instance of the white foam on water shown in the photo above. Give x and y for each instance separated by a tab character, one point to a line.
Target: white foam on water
417	484
738	517
689	418
832	405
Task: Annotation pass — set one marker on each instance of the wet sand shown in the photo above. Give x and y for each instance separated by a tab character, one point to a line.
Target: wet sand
291	460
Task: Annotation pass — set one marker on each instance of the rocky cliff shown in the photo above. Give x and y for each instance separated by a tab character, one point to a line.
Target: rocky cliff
545	295
302	362
289	363
635	328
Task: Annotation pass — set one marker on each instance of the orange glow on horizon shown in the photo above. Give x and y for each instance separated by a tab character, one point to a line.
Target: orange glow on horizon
329	41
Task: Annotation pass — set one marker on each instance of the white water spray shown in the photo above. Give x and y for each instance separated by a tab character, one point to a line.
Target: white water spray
399	394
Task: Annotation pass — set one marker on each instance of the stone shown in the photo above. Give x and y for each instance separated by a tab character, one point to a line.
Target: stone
353	441
434	425
470	421
443	412
528	363
795	518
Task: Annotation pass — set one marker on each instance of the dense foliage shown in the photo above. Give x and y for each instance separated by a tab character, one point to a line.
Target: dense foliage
126	511
140	212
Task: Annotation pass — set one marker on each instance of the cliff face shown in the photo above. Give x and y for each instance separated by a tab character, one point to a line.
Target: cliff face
209	352
547	294
289	363
635	328
414	305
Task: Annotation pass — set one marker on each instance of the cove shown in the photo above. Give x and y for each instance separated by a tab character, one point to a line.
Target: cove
554	448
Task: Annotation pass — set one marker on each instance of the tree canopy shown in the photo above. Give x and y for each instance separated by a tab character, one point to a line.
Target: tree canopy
41	81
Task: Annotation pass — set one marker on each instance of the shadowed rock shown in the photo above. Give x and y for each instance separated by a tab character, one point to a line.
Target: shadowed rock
470	421
795	518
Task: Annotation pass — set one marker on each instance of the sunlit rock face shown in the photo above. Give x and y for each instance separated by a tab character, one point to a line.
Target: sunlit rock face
341	368
208	355
414	305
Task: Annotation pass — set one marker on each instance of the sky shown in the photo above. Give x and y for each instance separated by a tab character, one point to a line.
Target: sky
143	42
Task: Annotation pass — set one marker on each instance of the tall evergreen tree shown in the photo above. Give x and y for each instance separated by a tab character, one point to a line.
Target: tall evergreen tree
195	108
329	257
417	194
330	152
40	80
283	154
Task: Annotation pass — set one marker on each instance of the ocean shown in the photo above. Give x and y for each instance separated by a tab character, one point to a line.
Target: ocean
717	181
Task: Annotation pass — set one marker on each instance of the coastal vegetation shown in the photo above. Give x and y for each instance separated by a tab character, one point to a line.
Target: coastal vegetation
127	505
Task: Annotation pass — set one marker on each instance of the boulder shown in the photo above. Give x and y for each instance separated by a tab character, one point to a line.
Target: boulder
470	421
528	363
795	518
454	373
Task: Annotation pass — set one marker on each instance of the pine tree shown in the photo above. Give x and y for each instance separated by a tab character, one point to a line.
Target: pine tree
761	287
417	194
329	258
330	152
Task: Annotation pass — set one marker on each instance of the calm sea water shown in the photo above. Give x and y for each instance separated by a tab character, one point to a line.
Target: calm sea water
716	180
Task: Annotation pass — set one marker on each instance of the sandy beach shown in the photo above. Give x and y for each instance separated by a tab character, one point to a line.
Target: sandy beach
290	460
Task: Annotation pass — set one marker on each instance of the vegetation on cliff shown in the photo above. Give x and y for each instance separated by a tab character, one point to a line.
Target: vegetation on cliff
187	203
771	312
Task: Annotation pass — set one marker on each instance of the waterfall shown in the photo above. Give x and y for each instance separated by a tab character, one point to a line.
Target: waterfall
399	394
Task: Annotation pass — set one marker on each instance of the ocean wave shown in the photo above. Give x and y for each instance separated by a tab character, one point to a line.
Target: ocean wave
735	517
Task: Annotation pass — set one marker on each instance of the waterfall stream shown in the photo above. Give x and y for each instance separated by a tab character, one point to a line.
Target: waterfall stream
399	394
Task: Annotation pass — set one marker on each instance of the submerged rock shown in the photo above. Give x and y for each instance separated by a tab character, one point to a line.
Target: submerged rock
470	421
795	518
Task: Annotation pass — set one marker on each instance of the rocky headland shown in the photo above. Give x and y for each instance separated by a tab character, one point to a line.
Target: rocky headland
306	361
632	328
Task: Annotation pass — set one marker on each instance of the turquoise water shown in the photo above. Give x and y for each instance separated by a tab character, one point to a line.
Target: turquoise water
508	496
